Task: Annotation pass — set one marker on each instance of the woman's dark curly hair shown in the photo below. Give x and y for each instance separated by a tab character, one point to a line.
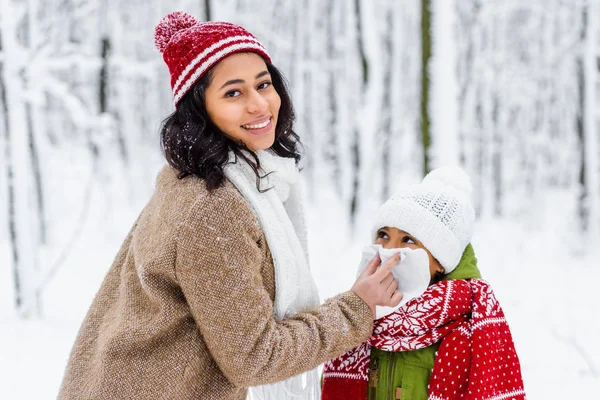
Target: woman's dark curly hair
193	144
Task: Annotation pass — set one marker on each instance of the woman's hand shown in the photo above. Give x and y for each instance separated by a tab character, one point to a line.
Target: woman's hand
377	287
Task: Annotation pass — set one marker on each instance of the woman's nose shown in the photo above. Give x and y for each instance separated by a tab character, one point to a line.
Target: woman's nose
257	103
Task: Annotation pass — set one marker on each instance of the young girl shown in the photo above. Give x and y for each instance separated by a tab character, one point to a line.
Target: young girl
448	338
211	292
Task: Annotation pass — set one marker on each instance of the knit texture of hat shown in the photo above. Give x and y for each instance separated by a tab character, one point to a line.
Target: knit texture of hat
438	212
191	48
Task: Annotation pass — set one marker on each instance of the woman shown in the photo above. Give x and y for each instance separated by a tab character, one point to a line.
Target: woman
211	293
448	338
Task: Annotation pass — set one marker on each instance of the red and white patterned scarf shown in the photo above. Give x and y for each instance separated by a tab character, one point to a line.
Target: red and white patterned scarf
476	358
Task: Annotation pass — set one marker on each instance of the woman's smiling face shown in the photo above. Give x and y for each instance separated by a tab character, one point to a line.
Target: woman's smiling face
242	102
394	238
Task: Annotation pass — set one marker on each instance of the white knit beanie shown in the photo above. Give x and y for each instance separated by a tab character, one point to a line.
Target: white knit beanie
438	212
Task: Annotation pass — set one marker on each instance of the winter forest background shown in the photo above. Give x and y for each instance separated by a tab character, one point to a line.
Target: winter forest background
384	91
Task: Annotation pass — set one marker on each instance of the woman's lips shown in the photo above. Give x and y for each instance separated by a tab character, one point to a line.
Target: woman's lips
260	126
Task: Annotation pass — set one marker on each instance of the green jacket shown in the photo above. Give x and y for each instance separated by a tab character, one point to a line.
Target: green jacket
405	375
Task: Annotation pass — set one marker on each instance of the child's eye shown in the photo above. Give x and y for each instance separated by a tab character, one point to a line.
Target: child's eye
409	240
382	235
233	93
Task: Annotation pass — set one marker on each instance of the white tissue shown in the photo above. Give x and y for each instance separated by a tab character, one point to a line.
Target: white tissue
412	272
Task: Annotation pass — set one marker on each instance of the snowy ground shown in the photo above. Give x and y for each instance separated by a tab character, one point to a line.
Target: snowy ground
548	295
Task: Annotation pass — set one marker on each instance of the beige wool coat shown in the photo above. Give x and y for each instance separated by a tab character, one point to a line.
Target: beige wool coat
186	309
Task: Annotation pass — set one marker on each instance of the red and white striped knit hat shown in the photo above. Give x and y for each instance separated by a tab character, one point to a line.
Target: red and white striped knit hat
191	47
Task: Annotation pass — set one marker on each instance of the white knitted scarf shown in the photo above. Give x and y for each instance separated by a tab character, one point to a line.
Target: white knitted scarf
280	212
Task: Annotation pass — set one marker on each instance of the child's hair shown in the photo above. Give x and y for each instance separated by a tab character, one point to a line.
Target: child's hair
438	212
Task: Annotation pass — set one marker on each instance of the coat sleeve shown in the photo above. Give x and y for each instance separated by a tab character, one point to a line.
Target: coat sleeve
218	267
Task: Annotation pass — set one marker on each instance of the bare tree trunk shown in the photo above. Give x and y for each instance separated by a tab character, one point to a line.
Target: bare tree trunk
332	76
425	56
443	86
37	175
207	10
103	89
582	206
103	101
30	111
360	44
356	159
386	111
12	230
22	235
592	116
497	158
586	128
306	77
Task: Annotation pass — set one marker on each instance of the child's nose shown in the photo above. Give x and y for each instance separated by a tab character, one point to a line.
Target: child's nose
394	245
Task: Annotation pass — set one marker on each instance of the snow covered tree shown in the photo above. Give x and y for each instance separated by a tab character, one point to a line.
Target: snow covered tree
588	119
518	97
384	91
19	149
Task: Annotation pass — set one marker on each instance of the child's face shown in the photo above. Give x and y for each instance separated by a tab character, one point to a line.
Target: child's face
394	238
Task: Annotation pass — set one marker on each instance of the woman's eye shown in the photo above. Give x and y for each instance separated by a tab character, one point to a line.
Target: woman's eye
233	93
264	85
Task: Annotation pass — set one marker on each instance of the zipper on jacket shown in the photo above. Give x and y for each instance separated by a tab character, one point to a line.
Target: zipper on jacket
373	370
390	381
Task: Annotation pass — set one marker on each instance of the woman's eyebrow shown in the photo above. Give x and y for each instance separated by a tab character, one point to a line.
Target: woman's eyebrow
260	75
232	82
236	81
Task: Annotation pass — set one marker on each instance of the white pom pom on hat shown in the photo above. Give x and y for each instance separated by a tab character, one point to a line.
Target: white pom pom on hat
451	175
169	25
438	212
